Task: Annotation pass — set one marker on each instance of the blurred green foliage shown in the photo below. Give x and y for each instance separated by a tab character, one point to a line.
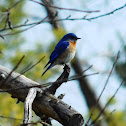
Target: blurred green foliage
117	118
9	108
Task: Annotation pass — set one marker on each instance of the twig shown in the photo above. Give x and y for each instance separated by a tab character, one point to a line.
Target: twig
10	118
8	15
81	72
4	15
107	104
28	69
12	71
44	123
2	37
66	19
35	123
13	33
33	65
14	5
8	20
107	116
103	88
108	13
61	8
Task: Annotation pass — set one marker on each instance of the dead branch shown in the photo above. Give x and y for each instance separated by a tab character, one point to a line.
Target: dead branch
64	76
28	104
46	84
44	103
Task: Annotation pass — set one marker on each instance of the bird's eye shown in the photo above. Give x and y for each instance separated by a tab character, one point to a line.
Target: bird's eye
72	37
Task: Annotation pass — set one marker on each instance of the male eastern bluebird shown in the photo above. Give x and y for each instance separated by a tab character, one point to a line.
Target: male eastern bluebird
64	51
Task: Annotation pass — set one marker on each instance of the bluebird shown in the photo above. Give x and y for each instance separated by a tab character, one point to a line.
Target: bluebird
64	51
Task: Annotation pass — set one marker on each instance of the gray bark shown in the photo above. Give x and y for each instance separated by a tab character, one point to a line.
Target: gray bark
28	105
44	103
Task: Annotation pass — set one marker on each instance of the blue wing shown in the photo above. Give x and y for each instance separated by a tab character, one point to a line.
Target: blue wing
60	48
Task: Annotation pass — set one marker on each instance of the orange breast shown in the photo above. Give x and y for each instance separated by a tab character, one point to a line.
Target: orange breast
72	46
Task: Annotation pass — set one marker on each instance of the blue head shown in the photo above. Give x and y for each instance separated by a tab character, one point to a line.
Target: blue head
70	36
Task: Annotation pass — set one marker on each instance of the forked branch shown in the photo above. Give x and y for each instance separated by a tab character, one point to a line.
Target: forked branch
44	103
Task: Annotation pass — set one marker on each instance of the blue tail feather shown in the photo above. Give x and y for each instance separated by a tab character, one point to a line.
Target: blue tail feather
47	69
46	64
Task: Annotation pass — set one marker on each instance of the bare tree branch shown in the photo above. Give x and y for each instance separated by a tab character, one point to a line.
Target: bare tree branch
103	88
2	37
103	118
61	8
64	19
12	71
107	104
44	103
64	76
13	33
26	70
15	4
10	118
7	13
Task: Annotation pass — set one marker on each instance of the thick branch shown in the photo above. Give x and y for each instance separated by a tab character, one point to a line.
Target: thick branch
52	89
75	120
44	103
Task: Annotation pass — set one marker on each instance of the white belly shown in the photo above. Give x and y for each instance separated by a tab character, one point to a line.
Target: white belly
65	57
68	58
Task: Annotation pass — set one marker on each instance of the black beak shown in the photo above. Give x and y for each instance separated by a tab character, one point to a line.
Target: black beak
78	38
